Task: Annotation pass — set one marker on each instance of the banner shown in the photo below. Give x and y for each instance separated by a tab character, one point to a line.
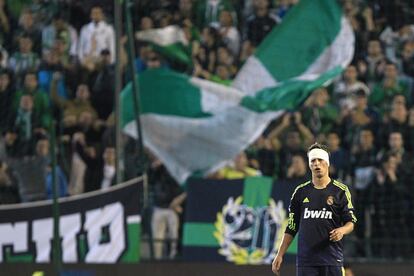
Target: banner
96	227
238	221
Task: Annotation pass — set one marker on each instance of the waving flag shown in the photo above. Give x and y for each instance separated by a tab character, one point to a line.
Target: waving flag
196	126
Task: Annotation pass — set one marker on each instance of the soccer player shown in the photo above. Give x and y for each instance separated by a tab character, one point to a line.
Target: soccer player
321	212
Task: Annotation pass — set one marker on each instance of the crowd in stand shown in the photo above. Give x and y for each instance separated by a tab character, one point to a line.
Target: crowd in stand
57	61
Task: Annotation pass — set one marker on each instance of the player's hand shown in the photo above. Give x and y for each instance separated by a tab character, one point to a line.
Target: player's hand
276	264
336	234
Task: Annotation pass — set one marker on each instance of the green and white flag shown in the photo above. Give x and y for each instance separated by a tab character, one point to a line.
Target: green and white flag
192	125
170	42
314	37
196	126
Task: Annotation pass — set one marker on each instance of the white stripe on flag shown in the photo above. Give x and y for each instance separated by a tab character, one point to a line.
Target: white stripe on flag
253	77
163	37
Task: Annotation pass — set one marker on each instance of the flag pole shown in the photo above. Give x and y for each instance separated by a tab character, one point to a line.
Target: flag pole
118	87
135	86
56	249
136	101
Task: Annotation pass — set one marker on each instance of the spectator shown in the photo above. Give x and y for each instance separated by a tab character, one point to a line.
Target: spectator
21	137
361	116
347	86
391	85
237	169
100	171
95	37
51	64
6	100
40	99
282	8
387	196
260	23
72	108
338	158
363	166
207	12
229	33
246	51
92	128
9	193
394	40
185	10
222	74
363	159
103	90
297	170
143	51
42	150
168	198
89	155
27	27
77	167
210	40
4	58
162	17
30	173
371	69
396	120
61	50
293	140
262	156
23	60
146	23
410	130
4	22
109	170
60	29
407	59
318	113
397	149
226	58
17	7
362	22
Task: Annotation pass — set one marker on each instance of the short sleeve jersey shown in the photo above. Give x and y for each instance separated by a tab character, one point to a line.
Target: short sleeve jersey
313	213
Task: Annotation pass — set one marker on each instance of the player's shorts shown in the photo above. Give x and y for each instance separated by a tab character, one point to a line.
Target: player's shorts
320	271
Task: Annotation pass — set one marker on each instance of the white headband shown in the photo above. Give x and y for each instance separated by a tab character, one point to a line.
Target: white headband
318	154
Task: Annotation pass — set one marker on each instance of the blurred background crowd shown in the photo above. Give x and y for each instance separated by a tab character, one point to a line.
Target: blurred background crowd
57	65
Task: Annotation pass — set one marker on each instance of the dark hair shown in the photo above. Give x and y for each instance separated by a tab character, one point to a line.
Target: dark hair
59	16
361	93
30	72
319	146
335	130
389	62
367	128
105	52
25	35
6	71
386	157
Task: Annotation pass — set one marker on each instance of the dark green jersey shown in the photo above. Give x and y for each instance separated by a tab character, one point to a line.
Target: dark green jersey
313	213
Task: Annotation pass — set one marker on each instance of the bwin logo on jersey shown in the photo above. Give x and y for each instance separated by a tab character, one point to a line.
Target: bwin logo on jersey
323	214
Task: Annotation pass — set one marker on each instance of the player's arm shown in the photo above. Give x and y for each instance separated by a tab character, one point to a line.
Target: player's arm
348	217
284	245
338	233
290	232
